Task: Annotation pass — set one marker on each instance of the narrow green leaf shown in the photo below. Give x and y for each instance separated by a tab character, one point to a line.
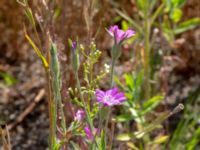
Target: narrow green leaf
29	15
139	79
55	65
124	118
119	83
187	25
57	146
103	142
130	20
151	104
178	3
129	81
161	139
124	137
157	12
194	140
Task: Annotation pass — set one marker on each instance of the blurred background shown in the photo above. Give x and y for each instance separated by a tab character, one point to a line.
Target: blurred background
174	45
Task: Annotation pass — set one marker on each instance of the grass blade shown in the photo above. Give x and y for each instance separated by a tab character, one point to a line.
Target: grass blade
38	52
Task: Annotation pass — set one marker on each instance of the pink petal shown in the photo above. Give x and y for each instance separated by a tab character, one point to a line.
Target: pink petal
99	93
130	33
112	30
88	133
120	95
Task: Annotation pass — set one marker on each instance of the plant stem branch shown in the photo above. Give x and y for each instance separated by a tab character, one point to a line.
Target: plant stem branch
86	107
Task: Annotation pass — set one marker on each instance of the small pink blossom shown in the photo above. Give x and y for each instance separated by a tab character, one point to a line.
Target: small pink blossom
89	133
80	115
110	97
120	35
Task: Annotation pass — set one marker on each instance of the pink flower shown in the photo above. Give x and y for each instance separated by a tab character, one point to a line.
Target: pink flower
80	115
89	134
120	35
110	97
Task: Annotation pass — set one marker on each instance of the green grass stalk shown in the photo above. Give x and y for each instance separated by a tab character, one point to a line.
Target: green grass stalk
147	59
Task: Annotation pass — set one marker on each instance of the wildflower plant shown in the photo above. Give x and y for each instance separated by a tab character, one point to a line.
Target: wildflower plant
88	128
93	101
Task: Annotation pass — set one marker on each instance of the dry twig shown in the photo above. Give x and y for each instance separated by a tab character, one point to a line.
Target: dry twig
28	110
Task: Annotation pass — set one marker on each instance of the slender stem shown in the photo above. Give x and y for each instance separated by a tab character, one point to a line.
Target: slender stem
111	85
147	52
83	101
112	73
52	132
60	105
100	123
51	109
147	59
111	135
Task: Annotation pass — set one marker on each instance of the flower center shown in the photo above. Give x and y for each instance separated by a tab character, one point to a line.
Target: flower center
107	98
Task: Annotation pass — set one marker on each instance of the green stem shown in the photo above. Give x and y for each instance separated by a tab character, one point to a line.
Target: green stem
112	73
111	85
61	111
147	54
83	101
52	114
147	58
